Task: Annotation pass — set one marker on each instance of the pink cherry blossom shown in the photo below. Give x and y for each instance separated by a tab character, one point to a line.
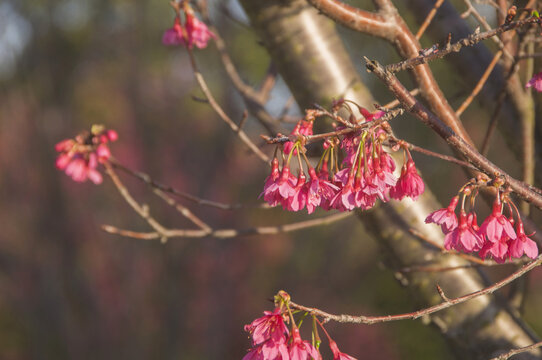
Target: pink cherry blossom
79	157
409	184
522	244
270	326
496	225
281	188
318	191
345	199
445	217
298	200
337	355
370	116
198	33
463	237
301	349
535	82
268	350
379	180
174	35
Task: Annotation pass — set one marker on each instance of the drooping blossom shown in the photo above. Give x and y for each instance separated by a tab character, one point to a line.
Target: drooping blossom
198	33
269	350
269	326
300	349
174	35
318	190
463	237
522	244
345	198
269	337
445	217
79	158
379	179
298	200
535	82
279	188
194	32
409	184
337	354
496	225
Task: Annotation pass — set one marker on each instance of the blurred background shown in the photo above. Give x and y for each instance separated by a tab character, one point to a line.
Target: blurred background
69	290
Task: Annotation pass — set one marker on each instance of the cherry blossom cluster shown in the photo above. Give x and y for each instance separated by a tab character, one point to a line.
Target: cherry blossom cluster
79	157
271	338
501	235
194	31
353	172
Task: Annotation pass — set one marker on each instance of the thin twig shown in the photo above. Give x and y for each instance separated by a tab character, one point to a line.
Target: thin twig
141	210
471	40
216	107
511	353
227	233
428	19
412	147
369	320
183	210
311	138
394	103
480	84
169	189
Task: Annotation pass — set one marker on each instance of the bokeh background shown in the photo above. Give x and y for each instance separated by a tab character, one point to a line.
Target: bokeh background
69	290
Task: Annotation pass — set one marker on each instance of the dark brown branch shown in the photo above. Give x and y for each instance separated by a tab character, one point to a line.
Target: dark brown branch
471	40
525	191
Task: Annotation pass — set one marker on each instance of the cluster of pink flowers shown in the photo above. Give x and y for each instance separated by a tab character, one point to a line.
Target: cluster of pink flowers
496	236
272	340
365	175
79	157
194	32
535	82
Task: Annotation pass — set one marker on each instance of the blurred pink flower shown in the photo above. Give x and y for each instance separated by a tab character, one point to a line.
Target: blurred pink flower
535	82
198	33
79	157
174	35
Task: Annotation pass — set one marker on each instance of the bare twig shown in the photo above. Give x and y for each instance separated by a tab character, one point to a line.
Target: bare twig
141	210
511	353
428	19
369	320
227	233
480	84
216	107
311	138
471	40
169	189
